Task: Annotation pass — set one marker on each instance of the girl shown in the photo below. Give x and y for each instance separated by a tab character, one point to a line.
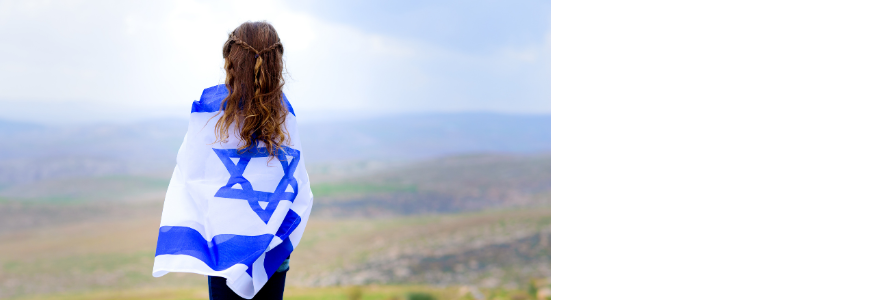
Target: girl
239	198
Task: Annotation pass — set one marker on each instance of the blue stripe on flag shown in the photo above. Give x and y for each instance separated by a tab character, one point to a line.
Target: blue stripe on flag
211	99
275	257
287	103
213	96
224	250
291	221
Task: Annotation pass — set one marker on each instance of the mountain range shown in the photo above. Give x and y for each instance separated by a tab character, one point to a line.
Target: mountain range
34	152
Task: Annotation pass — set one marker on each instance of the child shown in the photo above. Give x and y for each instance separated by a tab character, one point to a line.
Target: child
239	198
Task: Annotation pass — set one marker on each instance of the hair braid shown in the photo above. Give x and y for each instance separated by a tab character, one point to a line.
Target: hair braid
257	77
257	110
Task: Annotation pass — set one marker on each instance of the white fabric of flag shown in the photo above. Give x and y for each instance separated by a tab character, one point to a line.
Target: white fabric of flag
232	213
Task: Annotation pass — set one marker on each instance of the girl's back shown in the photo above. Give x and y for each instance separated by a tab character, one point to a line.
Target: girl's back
239	197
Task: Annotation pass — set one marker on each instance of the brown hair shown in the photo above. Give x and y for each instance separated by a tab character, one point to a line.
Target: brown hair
254	80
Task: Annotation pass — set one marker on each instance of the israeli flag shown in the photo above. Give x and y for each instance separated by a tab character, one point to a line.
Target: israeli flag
229	213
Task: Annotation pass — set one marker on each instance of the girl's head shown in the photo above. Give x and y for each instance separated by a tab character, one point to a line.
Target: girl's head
253	77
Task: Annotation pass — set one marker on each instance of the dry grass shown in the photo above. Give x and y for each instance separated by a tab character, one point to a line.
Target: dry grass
110	257
291	293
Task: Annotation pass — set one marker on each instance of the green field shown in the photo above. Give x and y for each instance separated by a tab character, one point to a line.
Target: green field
372	292
107	188
113	257
434	227
349	189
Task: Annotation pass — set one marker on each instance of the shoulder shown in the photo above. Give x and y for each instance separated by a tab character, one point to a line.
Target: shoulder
211	99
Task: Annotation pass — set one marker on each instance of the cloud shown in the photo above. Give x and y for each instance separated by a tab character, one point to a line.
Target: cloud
133	60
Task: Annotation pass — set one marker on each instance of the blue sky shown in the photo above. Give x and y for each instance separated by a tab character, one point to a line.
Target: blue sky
122	61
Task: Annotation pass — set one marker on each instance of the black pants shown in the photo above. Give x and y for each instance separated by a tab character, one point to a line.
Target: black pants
273	290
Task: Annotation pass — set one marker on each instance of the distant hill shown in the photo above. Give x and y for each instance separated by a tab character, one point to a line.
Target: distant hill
443	185
31	152
14	126
418	136
35	153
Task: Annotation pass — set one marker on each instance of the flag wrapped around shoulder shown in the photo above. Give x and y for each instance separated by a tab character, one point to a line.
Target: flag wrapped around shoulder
230	213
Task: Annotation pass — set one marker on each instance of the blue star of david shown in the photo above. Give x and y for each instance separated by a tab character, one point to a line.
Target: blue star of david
247	192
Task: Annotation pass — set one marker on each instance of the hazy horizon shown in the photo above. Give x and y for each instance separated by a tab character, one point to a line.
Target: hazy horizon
304	116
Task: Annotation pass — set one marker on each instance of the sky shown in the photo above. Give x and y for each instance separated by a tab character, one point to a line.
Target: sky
118	61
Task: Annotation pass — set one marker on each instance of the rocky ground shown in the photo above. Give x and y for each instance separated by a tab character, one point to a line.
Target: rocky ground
478	220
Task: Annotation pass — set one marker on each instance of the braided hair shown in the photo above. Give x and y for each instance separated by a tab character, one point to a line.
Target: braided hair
254	102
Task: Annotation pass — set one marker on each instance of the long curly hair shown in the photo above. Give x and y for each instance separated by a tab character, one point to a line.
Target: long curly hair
254	108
